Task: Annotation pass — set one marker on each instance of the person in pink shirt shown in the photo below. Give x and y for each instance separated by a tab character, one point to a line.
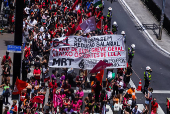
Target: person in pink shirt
80	93
76	106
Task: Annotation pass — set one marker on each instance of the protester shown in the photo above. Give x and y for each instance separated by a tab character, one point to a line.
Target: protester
6	92
128	74
135	110
89	102
154	106
148	99
6	110
14	108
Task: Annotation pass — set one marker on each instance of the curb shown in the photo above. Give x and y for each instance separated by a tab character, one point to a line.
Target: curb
146	32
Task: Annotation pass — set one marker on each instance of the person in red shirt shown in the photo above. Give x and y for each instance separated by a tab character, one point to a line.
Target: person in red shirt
11	21
66	86
22	98
27	50
154	106
6	57
37	73
80	10
52	85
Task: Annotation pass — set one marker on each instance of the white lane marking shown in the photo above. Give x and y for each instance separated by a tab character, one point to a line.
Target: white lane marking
140	106
155	91
161	91
131	83
160	111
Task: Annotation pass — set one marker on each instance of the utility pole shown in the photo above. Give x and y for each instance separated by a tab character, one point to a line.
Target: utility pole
17	41
162	20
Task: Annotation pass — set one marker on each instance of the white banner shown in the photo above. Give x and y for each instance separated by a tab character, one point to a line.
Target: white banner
81	52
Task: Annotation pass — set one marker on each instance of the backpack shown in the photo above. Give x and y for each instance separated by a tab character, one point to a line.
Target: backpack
150	98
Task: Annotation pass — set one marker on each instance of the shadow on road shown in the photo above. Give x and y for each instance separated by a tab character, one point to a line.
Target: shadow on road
8	42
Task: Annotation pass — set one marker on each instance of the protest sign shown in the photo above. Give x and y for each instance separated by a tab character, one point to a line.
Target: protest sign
76	50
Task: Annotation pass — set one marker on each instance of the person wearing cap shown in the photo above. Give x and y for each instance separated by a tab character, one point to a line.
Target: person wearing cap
109	16
131	52
132	92
147	78
114	27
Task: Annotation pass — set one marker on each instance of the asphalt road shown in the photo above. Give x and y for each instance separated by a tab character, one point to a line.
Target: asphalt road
145	54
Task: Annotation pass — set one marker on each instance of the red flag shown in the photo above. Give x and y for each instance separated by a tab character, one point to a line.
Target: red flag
78	28
75	4
101	17
99	76
59	2
99	24
71	31
38	99
79	21
65	9
19	85
100	66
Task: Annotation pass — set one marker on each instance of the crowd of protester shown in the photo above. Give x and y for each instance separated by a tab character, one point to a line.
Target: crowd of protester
43	21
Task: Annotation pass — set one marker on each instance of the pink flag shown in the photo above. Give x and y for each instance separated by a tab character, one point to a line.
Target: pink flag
88	25
100	66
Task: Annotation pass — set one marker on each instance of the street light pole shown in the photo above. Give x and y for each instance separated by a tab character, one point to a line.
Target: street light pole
162	20
18	42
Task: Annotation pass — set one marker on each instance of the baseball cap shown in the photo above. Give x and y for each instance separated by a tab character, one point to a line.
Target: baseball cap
133	86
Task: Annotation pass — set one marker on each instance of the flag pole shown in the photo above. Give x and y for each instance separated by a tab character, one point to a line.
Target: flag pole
102	25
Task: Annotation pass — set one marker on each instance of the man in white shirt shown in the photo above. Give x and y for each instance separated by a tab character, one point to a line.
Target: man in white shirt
42	29
135	110
32	23
27	10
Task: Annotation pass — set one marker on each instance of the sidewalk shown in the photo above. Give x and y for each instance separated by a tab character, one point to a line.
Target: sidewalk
145	17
